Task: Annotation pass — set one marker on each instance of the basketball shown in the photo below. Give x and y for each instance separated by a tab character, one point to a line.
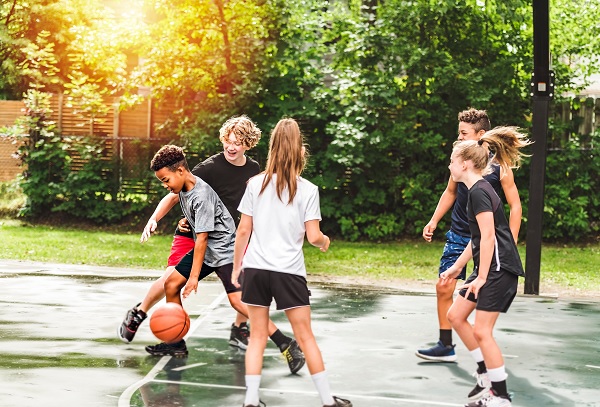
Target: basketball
170	322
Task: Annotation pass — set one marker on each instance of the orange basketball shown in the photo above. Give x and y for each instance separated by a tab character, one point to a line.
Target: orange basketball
170	322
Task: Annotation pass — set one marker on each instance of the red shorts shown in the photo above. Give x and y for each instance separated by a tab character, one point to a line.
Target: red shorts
181	246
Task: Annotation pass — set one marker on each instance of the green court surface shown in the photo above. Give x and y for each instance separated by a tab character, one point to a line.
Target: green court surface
59	347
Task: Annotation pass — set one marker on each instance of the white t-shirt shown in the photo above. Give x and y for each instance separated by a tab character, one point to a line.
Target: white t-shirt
278	228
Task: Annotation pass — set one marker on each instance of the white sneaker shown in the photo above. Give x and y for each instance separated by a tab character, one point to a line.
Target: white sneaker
482	386
490	400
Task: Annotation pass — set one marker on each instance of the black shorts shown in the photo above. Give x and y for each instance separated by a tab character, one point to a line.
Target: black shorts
498	292
184	267
260	287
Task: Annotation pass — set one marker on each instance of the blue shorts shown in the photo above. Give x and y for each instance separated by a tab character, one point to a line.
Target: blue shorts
455	245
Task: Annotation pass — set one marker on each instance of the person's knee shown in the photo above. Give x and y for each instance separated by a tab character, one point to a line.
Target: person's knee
172	287
445	291
481	334
235	300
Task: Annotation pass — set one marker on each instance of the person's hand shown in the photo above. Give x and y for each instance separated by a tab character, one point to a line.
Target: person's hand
183	225
191	285
428	230
473	287
450	274
235	275
150	227
325	246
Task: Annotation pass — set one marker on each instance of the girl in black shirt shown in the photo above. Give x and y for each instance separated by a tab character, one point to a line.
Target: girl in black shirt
492	286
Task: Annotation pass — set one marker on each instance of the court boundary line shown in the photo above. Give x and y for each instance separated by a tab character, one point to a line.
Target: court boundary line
312	393
125	398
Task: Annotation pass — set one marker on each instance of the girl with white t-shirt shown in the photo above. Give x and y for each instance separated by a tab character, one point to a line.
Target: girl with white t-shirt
278	209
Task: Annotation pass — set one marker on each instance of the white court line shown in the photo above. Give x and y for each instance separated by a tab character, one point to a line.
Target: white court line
179	369
313	393
593	367
125	398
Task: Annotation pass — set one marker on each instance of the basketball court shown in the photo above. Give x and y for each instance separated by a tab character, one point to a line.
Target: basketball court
59	347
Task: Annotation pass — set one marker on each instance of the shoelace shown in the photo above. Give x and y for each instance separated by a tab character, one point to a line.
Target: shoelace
134	321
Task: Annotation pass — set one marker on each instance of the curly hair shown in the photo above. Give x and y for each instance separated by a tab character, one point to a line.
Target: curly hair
169	156
245	131
478	118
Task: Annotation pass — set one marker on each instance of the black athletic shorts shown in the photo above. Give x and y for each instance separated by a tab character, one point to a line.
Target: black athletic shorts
224	272
260	287
498	292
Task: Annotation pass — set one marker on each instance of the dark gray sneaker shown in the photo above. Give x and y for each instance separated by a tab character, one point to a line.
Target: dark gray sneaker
294	356
130	324
339	402
177	349
239	336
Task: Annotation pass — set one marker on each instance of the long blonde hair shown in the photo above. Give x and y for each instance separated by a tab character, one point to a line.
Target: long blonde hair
505	142
286	158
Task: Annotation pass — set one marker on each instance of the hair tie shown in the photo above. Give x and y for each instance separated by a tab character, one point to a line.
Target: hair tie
480	142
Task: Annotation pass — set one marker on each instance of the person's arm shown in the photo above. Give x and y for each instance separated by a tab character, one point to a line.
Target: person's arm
163	207
314	235
511	193
199	252
444	205
242	237
485	220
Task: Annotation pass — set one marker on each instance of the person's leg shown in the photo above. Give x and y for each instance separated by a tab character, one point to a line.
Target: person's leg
492	355
156	292
443	351
136	315
259	318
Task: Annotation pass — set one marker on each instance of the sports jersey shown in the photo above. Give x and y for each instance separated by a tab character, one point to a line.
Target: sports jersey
460	223
483	198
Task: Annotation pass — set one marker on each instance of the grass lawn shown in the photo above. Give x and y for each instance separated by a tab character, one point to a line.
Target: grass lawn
566	269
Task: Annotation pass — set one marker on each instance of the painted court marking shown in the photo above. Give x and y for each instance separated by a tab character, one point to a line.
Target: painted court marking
313	393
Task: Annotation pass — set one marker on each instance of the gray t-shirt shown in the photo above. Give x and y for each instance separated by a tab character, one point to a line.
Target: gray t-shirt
207	213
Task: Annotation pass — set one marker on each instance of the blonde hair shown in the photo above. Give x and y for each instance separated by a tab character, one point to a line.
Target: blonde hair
505	142
246	132
286	158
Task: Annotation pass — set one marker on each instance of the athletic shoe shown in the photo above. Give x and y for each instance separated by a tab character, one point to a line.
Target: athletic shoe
131	323
177	349
482	387
239	336
294	356
251	405
339	402
438	353
491	400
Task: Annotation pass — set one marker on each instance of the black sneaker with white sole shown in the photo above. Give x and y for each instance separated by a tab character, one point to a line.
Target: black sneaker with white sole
177	349
131	323
239	336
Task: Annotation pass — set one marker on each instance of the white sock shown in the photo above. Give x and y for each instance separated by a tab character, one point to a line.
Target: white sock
477	355
498	374
322	384
252	385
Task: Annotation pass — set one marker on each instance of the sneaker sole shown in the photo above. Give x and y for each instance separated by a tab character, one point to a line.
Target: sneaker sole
479	395
121	337
173	354
444	359
238	344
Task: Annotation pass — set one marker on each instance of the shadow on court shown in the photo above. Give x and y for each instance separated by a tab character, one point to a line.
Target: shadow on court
59	347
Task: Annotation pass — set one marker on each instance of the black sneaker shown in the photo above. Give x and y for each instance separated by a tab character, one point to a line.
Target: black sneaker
239	336
339	402
251	405
177	349
294	356
131	323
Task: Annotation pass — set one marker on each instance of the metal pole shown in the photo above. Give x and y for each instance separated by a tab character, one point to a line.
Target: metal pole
542	92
